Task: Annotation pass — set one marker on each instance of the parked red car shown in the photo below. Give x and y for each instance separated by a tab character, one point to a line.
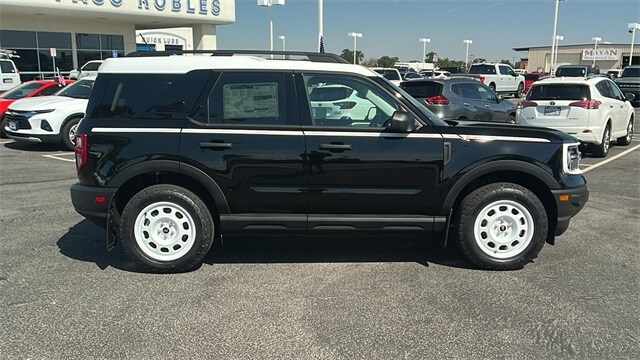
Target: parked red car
530	78
25	90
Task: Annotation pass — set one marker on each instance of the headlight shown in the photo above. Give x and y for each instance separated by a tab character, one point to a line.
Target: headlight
571	159
44	111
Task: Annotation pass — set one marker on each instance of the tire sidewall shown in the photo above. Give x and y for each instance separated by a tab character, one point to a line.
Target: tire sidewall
166	193
526	199
64	133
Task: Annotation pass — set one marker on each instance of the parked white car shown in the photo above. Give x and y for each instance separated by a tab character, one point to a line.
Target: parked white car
391	74
341	103
593	110
499	77
90	68
50	119
9	76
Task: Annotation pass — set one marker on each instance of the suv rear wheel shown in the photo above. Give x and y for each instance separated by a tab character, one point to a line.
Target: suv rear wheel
519	91
626	140
602	149
166	228
501	226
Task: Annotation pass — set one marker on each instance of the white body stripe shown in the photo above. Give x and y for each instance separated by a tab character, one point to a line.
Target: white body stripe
480	138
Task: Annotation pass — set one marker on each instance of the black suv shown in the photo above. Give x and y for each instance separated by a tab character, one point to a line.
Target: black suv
175	151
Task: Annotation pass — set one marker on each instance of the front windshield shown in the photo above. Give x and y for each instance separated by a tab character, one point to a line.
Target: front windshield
21	91
403	94
631	72
78	90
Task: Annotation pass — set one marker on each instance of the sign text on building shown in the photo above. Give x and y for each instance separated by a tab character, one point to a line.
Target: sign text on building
601	54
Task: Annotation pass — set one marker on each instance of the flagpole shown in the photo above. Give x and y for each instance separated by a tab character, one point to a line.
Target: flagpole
320	21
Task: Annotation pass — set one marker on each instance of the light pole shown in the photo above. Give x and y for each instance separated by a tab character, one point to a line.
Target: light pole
632	29
553	39
424	42
284	44
558	38
270	3
320	25
355	36
595	47
466	57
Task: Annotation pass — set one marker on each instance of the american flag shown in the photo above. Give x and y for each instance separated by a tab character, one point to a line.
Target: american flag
60	78
321	44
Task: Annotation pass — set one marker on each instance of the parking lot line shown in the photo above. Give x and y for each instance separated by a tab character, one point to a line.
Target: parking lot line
5	142
611	159
57	157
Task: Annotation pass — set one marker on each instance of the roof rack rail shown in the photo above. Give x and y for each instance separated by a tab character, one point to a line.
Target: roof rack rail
311	56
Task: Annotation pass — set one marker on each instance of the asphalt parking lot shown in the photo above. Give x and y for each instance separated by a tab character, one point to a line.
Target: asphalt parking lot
62	295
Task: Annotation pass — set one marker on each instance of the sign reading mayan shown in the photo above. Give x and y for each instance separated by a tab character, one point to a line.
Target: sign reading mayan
602	54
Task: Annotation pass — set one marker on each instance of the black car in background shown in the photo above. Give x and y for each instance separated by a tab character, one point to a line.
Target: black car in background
461	98
629	82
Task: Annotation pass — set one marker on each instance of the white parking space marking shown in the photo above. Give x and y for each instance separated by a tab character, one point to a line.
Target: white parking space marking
611	159
59	157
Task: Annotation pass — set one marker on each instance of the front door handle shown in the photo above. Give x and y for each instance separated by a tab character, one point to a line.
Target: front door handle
335	147
487	106
465	104
214	145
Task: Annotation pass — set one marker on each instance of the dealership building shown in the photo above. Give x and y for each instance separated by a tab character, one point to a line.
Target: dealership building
606	56
76	31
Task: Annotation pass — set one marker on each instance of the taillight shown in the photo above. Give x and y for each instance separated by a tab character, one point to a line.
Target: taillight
345	104
587	104
482	79
437	100
81	150
526	103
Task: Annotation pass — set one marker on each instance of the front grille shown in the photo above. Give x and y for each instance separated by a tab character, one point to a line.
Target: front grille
20	118
629	86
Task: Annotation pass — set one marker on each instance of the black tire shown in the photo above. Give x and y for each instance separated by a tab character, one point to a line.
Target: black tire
519	91
511	119
493	87
602	149
185	228
626	140
67	130
514	238
3	123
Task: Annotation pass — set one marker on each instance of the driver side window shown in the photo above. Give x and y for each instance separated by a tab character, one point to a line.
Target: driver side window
347	101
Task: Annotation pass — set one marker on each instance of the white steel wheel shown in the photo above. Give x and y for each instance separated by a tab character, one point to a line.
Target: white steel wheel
72	133
503	229
164	231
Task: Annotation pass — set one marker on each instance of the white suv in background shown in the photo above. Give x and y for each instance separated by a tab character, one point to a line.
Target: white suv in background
9	76
50	119
90	68
593	110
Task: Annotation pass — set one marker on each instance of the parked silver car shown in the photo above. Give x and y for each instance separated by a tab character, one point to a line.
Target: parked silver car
461	99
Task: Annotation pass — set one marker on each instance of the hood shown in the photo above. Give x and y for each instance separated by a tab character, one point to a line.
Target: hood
628	80
477	128
46	103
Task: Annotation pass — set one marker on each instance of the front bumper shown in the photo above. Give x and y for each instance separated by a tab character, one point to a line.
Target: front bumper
575	199
84	201
33	138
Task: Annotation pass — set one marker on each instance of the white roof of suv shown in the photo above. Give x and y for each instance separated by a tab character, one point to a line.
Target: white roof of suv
181	64
570	80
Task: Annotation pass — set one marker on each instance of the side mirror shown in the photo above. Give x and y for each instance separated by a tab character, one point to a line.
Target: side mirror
629	97
499	98
402	122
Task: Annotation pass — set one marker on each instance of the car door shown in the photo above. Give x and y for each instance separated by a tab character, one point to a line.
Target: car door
494	110
507	80
471	101
362	176
622	113
246	137
610	107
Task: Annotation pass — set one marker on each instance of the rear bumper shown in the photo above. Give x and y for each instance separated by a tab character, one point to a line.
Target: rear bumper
577	198
84	201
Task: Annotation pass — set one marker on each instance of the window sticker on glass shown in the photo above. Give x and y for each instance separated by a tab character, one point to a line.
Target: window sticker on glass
245	101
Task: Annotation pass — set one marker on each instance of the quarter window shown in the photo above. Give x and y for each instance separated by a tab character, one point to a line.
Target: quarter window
604	89
347	101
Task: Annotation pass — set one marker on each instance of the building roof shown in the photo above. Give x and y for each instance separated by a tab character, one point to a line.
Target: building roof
588	46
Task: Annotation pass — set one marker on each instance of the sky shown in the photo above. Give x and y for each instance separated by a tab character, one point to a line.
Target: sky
394	27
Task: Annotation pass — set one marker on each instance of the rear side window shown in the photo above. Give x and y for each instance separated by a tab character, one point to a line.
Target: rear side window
559	92
422	89
91	66
49	90
6	67
571	71
482	69
151	96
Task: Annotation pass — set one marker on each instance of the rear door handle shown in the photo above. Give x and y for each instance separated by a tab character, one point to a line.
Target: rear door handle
465	104
214	145
334	147
487	106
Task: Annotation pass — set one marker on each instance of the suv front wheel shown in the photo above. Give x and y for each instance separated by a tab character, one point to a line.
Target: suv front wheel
166	228
501	226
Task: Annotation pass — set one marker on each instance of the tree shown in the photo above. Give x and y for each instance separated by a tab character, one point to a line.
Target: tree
348	55
430	56
446	62
479	60
372	62
387	61
506	61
